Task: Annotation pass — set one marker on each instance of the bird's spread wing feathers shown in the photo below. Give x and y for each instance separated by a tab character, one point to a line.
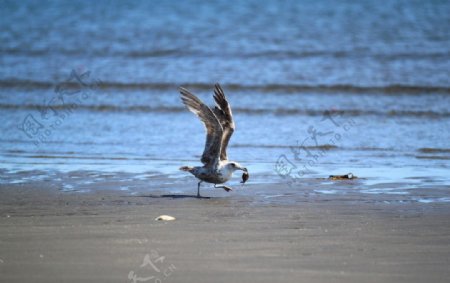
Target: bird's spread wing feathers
214	130
223	113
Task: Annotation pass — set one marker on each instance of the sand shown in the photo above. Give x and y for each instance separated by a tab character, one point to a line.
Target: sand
47	235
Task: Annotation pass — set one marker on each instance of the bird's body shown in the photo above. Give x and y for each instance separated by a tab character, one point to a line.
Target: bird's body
218	175
219	124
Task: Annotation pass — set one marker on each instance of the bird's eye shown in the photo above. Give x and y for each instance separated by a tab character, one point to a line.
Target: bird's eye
232	164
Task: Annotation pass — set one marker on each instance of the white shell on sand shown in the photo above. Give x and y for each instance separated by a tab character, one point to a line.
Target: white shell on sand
165	218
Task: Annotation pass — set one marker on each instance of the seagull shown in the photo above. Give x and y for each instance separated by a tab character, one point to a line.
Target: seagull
219	124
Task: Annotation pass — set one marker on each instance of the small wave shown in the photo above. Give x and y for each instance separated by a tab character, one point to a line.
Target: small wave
94	108
277	112
435	157
319	147
434	153
265	54
82	157
324	146
434	150
155	53
294	54
370	148
96	53
267	88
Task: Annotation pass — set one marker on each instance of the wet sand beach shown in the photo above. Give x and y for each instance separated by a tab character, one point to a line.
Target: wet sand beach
48	235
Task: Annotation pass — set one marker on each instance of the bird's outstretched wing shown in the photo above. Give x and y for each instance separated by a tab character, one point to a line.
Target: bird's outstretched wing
214	131
223	113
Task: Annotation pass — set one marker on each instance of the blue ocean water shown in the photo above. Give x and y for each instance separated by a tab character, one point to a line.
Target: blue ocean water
320	87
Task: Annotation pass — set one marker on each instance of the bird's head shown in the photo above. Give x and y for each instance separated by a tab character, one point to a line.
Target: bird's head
233	166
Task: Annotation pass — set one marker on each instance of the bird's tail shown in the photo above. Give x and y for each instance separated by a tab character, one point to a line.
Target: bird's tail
186	168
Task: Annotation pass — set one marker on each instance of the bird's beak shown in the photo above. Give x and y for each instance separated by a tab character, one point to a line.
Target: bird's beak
242	168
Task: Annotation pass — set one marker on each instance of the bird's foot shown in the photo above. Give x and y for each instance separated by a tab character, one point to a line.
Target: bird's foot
227	189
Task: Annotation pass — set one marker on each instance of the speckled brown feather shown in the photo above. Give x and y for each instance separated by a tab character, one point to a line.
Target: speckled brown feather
223	113
214	131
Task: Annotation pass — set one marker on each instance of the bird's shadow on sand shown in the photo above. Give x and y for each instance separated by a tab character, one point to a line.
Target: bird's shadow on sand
174	196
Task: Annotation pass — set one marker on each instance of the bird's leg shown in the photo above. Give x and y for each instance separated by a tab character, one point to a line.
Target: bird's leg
226	188
198	189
